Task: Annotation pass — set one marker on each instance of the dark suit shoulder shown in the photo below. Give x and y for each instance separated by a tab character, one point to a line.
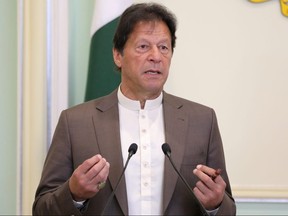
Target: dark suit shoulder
102	104
185	104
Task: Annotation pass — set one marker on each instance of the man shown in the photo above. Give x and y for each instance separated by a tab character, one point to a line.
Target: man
91	140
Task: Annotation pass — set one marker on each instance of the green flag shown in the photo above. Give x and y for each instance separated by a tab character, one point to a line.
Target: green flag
103	77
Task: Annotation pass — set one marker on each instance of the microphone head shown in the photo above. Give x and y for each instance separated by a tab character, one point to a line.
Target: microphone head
166	149
133	149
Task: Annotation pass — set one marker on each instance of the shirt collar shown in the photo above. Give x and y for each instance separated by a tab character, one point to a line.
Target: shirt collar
135	105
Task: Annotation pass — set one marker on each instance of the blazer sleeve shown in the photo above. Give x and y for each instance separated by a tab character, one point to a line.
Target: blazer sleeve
227	206
53	195
216	159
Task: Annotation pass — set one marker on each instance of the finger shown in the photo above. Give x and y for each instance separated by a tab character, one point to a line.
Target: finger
102	175
207	181
96	169
216	174
208	200
203	176
208	170
203	188
212	173
89	163
200	196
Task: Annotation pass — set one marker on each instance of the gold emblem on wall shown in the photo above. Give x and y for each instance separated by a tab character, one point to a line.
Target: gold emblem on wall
283	5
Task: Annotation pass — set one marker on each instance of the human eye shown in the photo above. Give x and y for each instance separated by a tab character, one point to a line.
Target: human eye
164	49
142	47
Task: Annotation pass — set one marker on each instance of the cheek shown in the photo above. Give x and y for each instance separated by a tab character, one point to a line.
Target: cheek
167	63
134	63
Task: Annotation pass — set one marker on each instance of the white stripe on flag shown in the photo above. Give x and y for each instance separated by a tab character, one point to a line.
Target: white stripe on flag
106	11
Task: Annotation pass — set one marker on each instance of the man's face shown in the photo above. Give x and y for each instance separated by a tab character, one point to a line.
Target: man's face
145	60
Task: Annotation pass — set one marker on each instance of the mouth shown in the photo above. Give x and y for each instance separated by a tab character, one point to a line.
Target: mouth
152	72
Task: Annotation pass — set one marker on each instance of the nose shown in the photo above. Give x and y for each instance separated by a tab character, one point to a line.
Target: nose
155	54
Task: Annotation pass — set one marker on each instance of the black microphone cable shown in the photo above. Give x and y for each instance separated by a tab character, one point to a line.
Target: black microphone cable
132	150
167	151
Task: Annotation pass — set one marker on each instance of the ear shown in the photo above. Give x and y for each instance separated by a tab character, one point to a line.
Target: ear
117	56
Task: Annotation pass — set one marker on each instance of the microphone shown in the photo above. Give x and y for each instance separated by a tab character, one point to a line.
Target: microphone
167	151
131	151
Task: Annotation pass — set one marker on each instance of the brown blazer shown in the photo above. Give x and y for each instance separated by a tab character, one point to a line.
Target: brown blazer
90	128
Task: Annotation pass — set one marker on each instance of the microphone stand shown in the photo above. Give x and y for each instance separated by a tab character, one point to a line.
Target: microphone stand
167	152
132	150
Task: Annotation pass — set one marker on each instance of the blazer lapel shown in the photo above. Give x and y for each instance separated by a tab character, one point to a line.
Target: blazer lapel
107	129
106	124
176	123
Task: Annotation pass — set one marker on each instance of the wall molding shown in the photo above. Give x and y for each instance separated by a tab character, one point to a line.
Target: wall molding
256	191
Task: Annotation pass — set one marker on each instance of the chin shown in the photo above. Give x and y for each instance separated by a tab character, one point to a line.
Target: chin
154	91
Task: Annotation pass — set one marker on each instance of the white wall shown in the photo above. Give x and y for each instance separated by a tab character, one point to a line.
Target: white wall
232	56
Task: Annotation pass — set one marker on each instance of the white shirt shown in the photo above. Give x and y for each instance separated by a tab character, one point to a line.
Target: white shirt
144	173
